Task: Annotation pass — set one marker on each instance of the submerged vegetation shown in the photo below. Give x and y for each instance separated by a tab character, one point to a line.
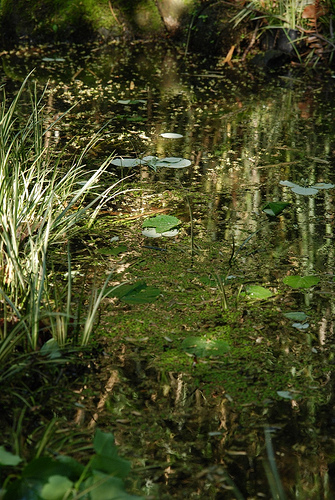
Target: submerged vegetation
186	308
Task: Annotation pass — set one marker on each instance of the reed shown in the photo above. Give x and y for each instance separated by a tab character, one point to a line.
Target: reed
44	201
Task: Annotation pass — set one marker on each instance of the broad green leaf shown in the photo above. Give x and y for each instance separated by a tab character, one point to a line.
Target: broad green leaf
162	223
51	349
56	488
258	292
145	296
275	208
126	162
106	458
43	467
138	293
296	316
202	348
301	281
171	135
107	488
7	458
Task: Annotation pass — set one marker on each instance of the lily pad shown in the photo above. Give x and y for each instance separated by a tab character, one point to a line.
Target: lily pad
202	348
173	162
162	223
258	292
171	135
300	326
126	162
275	208
322	185
296	316
132	101
305	191
301	281
138	293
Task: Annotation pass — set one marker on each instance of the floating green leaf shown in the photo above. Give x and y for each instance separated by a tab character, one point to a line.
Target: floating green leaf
126	162
258	292
323	185
202	348
306	191
274	208
173	162
301	281
162	223
296	316
300	326
138	293
7	458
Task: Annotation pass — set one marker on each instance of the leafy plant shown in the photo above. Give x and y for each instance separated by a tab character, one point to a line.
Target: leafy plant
258	292
306	191
301	281
162	223
200	347
275	208
43	203
138	293
46	478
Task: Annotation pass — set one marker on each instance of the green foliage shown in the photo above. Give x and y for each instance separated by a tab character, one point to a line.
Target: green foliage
138	293
56	479
162	223
42	204
258	292
201	347
301	281
275	208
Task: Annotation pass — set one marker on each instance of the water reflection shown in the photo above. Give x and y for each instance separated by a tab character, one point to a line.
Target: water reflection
242	141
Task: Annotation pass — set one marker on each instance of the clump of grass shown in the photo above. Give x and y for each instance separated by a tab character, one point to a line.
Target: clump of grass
44	201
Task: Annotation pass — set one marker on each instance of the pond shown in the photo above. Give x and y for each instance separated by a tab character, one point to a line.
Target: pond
223	385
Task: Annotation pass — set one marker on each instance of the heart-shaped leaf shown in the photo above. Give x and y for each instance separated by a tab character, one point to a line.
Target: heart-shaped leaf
274	208
162	223
301	281
138	293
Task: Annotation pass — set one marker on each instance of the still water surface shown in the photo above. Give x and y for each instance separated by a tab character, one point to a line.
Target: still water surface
244	133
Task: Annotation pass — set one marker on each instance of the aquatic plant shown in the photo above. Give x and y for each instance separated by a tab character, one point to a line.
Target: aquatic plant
44	202
102	478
